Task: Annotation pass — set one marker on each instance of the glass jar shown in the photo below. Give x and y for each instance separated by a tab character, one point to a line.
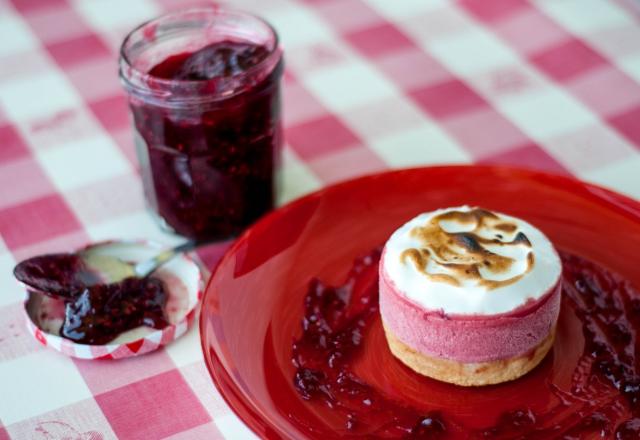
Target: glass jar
204	90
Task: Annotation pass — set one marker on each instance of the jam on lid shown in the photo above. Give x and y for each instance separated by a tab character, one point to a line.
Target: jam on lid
95	313
98	314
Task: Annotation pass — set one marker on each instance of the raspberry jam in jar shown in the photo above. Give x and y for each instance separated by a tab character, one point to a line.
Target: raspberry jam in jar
204	92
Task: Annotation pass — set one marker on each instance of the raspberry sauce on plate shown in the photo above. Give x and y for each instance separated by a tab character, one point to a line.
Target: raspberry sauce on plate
600	398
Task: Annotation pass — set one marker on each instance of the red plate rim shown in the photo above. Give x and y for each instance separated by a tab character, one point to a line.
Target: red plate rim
232	394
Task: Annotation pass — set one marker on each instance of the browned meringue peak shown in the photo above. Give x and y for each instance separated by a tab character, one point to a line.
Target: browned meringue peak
463	254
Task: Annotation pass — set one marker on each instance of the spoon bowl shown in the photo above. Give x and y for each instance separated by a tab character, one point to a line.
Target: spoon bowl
65	274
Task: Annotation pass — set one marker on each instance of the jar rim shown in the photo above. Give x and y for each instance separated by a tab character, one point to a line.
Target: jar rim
137	80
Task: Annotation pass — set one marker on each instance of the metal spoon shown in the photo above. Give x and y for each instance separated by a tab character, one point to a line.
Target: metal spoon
65	274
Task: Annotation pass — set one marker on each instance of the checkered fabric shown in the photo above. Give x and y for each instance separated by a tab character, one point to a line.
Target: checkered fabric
370	85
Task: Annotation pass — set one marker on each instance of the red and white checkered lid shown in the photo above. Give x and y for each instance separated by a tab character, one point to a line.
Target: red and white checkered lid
181	275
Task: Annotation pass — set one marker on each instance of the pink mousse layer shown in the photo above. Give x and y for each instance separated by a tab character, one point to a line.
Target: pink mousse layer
467	338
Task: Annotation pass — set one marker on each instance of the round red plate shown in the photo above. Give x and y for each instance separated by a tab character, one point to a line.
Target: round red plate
252	307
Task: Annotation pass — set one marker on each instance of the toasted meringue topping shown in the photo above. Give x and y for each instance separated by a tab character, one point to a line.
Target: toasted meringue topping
469	260
473	253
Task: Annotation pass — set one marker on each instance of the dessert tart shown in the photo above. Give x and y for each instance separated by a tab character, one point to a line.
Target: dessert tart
469	296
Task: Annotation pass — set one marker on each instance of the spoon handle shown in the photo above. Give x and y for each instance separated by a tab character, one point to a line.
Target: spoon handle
144	268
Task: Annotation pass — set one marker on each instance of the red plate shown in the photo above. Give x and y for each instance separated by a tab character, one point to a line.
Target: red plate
253	306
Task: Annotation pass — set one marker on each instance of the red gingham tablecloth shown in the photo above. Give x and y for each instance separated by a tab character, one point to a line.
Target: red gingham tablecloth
370	85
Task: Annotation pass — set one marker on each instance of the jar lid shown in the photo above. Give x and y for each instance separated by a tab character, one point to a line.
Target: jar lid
183	277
